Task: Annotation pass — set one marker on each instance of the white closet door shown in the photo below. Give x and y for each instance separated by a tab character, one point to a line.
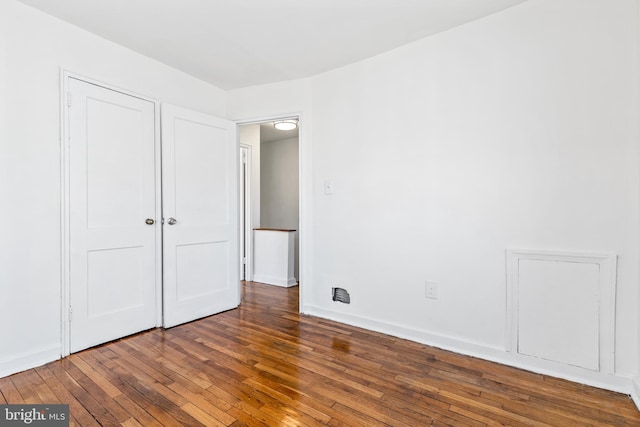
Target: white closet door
200	209
112	207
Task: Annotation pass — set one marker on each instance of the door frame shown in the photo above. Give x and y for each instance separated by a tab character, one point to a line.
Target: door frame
247	242
65	75
304	198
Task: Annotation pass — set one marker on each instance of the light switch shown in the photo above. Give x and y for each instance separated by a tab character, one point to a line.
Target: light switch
328	187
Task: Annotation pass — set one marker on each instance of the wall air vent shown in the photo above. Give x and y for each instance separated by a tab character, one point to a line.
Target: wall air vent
341	295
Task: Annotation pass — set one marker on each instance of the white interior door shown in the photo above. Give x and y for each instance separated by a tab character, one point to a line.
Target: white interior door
200	209
112	210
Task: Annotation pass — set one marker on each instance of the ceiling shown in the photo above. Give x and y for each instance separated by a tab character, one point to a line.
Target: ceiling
238	43
269	134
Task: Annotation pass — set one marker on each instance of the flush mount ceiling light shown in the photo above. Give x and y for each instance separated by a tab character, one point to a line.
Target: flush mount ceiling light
285	124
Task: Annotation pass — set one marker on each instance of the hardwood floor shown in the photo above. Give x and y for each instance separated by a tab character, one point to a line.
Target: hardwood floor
265	365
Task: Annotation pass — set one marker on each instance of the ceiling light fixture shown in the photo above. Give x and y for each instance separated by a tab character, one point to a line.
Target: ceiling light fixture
285	124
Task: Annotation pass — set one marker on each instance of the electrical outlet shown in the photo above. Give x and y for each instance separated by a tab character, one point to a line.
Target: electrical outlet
431	290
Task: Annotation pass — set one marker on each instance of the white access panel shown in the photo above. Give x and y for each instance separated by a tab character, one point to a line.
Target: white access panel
558	312
561	307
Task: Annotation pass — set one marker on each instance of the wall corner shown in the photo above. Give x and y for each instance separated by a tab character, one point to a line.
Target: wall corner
635	391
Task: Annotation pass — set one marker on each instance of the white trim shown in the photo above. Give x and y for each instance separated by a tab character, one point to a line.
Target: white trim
64	218
607	264
22	362
635	391
305	195
64	201
248	234
483	351
158	171
270	118
276	281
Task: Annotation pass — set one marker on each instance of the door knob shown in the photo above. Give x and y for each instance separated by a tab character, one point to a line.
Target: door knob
149	221
171	221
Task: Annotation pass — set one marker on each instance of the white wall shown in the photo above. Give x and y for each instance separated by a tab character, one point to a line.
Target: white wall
514	131
33	49
519	130
250	135
279	202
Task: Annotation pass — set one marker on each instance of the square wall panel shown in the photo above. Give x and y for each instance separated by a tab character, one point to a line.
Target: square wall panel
561	306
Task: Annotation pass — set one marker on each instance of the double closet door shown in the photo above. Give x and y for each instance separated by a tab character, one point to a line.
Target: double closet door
151	226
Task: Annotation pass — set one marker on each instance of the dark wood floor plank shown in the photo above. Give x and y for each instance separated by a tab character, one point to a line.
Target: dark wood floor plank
81	405
132	422
287	400
570	394
264	364
9	391
200	399
347	416
105	367
98	378
52	374
154	402
25	383
93	389
288	415
244	419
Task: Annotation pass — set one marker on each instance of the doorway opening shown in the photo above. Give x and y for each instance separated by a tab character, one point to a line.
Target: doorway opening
269	191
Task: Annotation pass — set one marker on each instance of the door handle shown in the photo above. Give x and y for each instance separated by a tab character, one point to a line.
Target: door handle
149	221
172	221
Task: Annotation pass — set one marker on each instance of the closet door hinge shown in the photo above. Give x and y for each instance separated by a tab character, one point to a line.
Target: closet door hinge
70	313
68	99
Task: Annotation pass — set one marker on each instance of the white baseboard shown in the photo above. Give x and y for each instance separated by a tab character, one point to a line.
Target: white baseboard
276	281
635	391
492	353
21	362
